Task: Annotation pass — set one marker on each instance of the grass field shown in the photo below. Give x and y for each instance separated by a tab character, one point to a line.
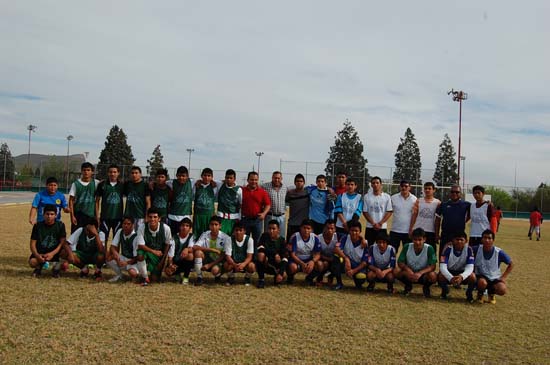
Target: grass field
72	320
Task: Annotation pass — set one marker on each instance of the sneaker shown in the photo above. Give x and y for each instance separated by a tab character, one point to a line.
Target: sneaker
115	278
492	299
310	282
230	281
290	280
98	276
146	282
36	273
406	292
261	284
84	272
185	281
218	279
479	299
247	281
426	291
390	290
444	293
64	266
338	287
55	273
370	287
198	282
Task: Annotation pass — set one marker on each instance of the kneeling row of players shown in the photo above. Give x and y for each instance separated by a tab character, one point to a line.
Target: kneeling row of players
152	250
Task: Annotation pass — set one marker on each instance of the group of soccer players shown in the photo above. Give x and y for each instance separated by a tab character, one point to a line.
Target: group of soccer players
171	228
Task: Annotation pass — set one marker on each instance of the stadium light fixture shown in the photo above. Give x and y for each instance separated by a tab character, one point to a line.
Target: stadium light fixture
458	96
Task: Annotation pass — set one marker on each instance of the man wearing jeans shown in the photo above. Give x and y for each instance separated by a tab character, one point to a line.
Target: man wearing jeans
255	206
277	193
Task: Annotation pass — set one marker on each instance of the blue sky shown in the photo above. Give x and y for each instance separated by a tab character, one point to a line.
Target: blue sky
231	78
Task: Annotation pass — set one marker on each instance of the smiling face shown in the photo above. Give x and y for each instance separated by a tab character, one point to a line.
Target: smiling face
455	193
277	180
354	233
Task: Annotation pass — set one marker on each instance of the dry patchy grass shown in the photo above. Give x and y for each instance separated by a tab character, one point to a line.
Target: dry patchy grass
79	321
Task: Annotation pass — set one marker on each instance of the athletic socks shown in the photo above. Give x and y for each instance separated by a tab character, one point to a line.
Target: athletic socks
198	266
142	269
114	266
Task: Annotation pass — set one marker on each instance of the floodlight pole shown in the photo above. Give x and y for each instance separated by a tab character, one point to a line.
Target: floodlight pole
190	150
69	139
259	154
463	158
459	96
31	128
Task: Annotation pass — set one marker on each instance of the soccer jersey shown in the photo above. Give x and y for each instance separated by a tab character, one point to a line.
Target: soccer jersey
382	260
207	241
182	199
305	248
43	198
402	212
488	263
84	194
319	206
355	251
229	201
127	245
179	244
159	199
418	261
135	198
425	218
457	261
377	206
272	247
349	205
535	218
111	199
480	218
155	240
327	249
47	237
298	206
205	197
79	241
239	250
454	215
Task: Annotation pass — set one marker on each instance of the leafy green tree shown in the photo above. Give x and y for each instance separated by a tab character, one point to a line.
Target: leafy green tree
446	167
500	198
7	165
346	155
155	162
116	151
407	160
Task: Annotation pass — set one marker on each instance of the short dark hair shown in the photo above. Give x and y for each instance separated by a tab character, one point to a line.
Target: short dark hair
136	168
153	210
460	234
274	221
186	220
321	177
251	173
355	223
376	178
341	173
478	188
307	222
299	176
403	182
351	180
162	172
215	218
207	171
330	221
277	173
50	180
50	208
429	183
113	166
488	232
230	172
419	232
127	218
238	225
182	170
86	165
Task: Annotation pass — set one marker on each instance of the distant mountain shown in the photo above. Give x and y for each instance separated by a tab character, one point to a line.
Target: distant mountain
37	160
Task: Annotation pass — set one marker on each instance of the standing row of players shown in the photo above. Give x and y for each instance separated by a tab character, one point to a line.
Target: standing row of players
152	251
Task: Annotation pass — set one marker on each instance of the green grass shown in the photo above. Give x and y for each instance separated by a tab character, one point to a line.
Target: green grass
74	320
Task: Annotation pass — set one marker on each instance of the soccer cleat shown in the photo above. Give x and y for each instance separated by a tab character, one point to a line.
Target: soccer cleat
492	299
370	287
338	287
390	290
218	279
64	266
310	282
230	281
426	291
444	293
198	282
185	281
406	292
36	272
98	276
261	284
246	281
55	273
115	278
290	280
146	282
84	272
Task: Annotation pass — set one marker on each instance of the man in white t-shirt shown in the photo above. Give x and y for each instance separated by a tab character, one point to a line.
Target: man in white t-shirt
123	251
239	254
209	251
402	204
377	209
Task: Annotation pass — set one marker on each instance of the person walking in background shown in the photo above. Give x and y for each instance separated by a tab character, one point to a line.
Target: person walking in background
535	220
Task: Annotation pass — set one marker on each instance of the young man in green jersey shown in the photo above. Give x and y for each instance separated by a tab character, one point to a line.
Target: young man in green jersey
230	198
272	255
87	248
160	194
109	204
180	256
154	240
82	197
181	201
123	251
138	197
417	264
47	242
209	250
205	196
239	254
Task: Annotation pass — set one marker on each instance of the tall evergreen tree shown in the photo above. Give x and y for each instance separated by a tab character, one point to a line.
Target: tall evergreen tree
446	167
155	162
116	151
7	166
346	155
407	160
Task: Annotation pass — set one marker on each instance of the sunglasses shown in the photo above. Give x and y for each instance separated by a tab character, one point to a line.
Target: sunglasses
455	192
